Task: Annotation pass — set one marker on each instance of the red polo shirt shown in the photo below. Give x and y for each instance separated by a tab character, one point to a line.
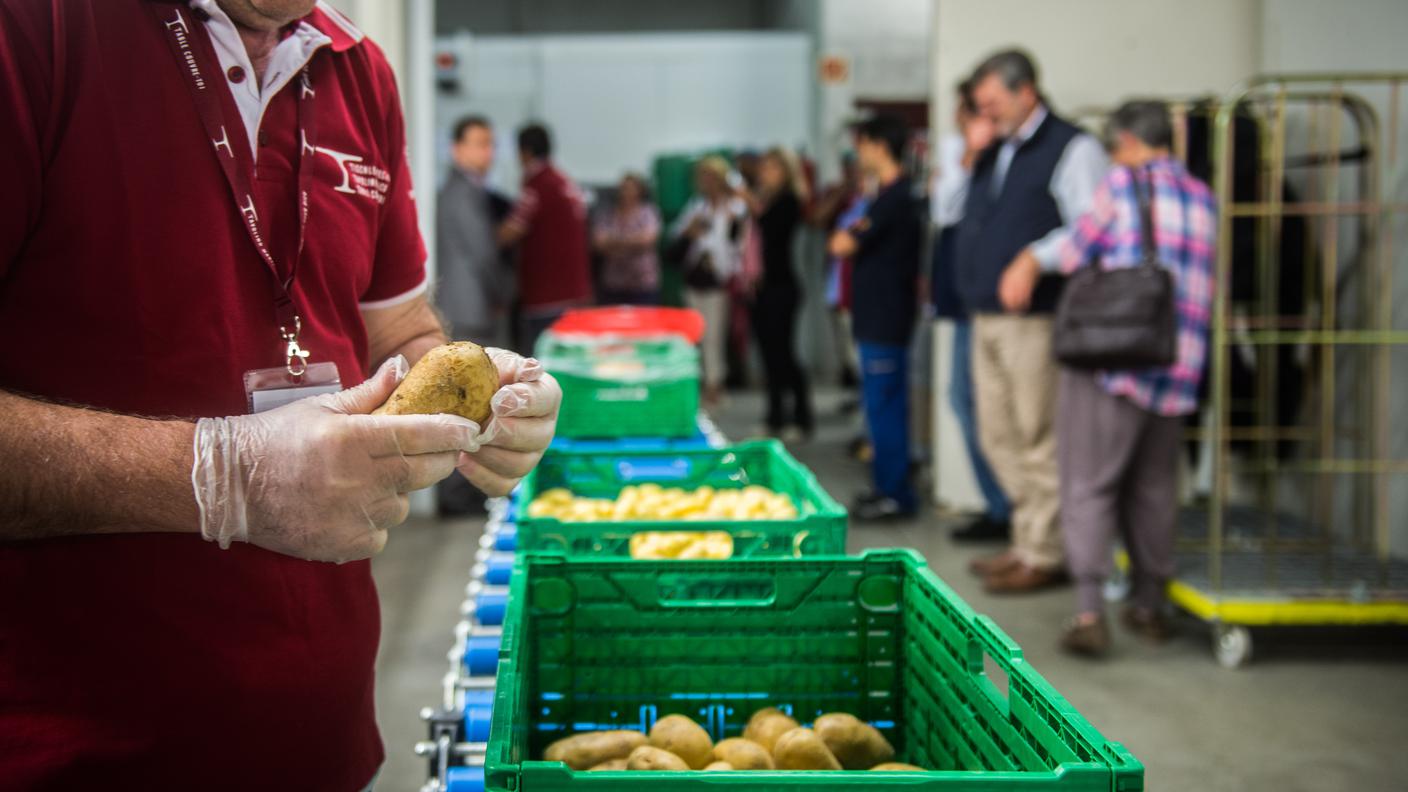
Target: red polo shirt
128	282
554	271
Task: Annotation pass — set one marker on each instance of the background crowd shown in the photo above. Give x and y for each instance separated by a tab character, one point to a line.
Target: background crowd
1017	199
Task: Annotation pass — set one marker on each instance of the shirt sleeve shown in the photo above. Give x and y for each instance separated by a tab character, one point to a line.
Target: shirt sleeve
685	217
1091	234
24	96
650	227
524	209
950	190
1078	173
398	272
879	216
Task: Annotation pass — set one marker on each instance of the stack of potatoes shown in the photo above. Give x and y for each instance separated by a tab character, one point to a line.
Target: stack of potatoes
772	740
654	502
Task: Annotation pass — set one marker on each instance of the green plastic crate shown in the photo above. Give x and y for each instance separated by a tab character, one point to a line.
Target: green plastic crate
820	527
661	399
603	644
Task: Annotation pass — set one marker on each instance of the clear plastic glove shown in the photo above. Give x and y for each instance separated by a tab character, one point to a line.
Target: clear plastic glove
520	428
320	479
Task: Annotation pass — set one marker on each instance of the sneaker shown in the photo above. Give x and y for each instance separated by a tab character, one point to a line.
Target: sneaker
1149	625
873	507
794	434
983	529
1084	636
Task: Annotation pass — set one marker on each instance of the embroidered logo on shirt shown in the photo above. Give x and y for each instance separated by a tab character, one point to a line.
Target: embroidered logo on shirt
358	177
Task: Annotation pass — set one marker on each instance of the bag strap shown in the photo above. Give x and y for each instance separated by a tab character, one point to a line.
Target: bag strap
1142	189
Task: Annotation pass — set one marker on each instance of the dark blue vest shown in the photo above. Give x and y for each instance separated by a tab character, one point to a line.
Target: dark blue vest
995	229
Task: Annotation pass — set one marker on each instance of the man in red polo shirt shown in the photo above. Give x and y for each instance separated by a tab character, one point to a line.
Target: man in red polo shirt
207	214
549	225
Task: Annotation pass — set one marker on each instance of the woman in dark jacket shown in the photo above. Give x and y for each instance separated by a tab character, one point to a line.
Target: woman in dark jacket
778	212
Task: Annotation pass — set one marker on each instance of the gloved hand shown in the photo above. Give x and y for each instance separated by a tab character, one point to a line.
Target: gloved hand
520	428
320	479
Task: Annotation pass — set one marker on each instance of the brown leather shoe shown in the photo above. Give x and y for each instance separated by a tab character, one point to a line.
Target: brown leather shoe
1148	625
1086	638
1022	579
989	565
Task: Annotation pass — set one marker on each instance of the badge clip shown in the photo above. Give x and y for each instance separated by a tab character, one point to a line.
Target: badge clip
296	357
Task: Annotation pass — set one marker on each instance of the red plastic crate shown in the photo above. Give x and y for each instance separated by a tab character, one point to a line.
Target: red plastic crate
631	320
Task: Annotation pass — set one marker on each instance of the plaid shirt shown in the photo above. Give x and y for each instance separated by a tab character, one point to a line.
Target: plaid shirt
1185	232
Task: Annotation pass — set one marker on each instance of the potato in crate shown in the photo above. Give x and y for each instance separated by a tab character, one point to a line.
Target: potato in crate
749	499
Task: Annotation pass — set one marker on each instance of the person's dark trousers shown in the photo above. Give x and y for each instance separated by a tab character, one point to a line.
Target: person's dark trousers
774	320
884	374
1119	477
960	396
532	325
615	297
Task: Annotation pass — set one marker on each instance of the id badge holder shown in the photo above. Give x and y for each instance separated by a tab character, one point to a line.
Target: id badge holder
268	388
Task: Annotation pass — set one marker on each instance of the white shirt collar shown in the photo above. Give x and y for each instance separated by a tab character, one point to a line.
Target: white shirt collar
290	55
1028	127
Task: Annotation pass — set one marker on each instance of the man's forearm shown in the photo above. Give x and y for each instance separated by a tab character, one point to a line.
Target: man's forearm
415	348
69	470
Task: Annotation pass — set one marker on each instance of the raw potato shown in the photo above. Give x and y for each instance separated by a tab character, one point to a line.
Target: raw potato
718	766
684	738
766	725
456	378
647	758
743	754
614	764
583	751
898	767
855	743
654	503
802	749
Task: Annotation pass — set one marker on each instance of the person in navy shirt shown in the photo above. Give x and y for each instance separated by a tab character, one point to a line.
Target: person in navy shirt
884	248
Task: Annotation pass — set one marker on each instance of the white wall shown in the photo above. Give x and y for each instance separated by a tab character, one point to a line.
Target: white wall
1096	52
1309	35
1089	53
615	102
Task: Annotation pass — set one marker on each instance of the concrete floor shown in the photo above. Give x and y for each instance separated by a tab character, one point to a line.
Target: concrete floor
1316	710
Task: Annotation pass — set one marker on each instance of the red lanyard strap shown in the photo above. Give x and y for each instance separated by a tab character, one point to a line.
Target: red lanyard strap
192	49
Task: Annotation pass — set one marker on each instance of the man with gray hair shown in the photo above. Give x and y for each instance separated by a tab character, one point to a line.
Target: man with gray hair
1118	431
1026	188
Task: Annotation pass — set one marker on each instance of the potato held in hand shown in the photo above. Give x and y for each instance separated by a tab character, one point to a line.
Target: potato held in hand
456	378
684	738
585	751
855	743
802	749
766	725
648	758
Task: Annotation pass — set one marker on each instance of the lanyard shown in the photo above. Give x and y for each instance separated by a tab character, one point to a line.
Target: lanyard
183	42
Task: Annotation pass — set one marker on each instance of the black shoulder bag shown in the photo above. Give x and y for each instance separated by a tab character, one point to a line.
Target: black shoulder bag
1121	318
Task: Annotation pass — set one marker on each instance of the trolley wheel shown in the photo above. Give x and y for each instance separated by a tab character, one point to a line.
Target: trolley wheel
1231	645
